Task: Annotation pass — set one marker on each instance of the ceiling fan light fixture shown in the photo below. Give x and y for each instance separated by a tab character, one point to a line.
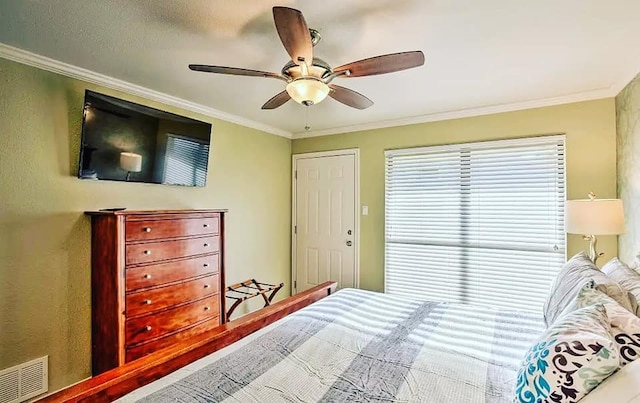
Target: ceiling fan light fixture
308	90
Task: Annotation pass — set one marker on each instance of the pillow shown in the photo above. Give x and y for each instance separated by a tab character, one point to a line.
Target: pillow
625	276
575	273
625	326
636	264
621	387
571	358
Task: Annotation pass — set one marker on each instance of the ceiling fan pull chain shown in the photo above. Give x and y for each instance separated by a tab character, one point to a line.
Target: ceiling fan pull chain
306	126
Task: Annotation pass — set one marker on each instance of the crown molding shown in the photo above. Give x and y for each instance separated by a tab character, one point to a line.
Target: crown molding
464	113
626	77
68	70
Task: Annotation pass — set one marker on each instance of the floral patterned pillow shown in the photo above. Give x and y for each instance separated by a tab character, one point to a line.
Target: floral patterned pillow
625	326
570	359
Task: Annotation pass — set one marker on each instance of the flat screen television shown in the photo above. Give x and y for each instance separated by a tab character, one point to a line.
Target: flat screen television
124	141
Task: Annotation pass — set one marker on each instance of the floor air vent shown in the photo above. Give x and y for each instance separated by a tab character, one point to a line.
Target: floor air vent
24	381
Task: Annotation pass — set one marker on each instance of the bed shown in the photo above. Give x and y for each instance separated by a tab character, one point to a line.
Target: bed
364	346
351	345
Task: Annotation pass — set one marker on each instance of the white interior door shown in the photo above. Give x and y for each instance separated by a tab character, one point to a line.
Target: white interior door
324	220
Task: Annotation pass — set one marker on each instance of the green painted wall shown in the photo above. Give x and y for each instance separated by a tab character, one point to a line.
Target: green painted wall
44	236
590	129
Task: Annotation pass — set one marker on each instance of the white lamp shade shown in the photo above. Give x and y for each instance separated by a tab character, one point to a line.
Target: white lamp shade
131	162
307	90
595	217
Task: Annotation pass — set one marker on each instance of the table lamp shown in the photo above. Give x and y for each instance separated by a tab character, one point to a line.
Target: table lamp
591	217
130	162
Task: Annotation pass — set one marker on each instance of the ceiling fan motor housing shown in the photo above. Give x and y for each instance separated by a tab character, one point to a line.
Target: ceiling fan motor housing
318	68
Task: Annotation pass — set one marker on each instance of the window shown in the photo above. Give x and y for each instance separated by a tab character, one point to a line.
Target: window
479	223
186	161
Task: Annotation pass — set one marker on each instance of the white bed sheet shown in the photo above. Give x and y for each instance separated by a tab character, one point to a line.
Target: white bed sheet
622	387
194	366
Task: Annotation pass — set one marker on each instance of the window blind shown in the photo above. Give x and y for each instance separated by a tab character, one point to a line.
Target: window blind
186	161
479	223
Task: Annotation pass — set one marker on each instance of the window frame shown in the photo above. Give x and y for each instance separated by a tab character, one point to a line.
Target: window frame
558	139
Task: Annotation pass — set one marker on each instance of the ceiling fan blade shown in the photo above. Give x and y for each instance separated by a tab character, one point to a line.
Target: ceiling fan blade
294	34
233	71
277	101
349	97
382	64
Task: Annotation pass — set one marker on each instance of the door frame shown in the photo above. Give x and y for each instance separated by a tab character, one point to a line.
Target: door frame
356	239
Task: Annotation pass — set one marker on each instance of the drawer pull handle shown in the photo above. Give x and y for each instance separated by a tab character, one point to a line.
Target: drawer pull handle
147	301
206	265
147	229
206	308
147	328
206	225
147	252
206	245
207	286
147	276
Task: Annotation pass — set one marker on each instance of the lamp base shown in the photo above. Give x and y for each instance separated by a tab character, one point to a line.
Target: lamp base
593	254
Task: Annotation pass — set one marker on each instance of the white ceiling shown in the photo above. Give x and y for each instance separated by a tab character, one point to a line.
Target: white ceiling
481	56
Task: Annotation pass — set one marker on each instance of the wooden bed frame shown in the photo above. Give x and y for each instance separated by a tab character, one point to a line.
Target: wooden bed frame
119	381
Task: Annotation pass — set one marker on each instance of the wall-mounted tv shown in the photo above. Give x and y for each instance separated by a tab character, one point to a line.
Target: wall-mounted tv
124	141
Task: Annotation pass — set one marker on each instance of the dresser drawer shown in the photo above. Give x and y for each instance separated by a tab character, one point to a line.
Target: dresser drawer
142	302
143	349
148	327
157	229
157	274
155	251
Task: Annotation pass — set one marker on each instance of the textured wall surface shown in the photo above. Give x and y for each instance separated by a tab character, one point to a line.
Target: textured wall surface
45	237
591	162
628	119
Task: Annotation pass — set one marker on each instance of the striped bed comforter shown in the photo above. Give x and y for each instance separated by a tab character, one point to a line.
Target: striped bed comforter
364	346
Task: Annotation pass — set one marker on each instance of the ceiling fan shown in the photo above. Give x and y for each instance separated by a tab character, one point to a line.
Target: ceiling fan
309	78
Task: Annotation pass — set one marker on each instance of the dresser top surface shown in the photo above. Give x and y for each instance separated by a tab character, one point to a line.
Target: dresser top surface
152	212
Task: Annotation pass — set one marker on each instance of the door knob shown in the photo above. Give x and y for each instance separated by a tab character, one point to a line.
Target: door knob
349	243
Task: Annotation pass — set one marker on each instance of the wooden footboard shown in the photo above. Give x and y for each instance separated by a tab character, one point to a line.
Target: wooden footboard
117	382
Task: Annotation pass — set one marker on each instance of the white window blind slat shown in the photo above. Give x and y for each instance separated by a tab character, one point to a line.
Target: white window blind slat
479	223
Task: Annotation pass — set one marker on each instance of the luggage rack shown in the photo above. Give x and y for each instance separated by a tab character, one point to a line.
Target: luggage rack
248	289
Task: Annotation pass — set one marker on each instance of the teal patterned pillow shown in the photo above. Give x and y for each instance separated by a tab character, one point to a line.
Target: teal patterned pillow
571	358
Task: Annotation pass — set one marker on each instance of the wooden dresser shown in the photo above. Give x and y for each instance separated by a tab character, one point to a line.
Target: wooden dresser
155	280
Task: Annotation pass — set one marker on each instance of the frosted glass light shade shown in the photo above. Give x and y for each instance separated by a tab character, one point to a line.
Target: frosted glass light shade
131	162
595	217
307	90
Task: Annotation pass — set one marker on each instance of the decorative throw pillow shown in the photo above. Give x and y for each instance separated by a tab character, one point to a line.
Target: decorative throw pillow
625	326
571	358
575	273
628	278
